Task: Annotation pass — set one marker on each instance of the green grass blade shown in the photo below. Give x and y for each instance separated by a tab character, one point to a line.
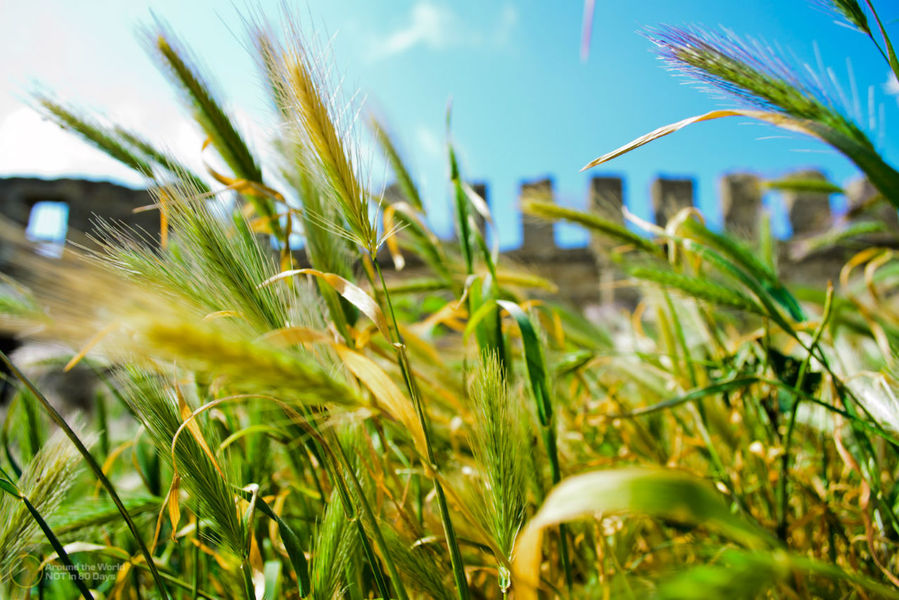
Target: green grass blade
291	544
653	491
700	288
95	134
614	231
460	202
74	574
799	184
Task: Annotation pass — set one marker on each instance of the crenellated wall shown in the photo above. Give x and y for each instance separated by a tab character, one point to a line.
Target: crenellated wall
585	275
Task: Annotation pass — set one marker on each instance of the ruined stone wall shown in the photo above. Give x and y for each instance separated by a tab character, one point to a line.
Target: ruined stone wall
585	276
86	200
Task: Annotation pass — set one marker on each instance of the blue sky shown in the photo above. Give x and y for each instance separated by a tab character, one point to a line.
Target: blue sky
524	103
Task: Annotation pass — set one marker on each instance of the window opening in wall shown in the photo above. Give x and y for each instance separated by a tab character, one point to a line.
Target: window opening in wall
48	224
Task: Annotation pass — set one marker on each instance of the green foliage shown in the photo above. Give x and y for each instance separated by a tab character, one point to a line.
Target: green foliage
45	480
730	436
331	552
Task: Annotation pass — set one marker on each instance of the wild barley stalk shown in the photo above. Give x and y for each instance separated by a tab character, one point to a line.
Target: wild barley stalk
94	133
44	482
216	123
498	448
74	574
329	150
337	464
331	552
753	74
209	482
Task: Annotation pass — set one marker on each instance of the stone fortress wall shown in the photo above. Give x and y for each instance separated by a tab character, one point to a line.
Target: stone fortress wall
587	279
583	274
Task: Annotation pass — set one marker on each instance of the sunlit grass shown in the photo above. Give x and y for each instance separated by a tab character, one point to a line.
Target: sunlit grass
279	430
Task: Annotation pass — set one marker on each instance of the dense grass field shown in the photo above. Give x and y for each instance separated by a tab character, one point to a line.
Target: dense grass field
268	430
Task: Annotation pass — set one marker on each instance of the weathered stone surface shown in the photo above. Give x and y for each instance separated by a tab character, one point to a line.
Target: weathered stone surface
607	197
538	236
809	212
607	201
670	196
741	204
86	200
585	276
860	193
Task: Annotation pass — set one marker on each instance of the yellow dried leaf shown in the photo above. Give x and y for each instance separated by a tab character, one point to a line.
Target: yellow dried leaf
194	428
390	238
121	579
773	118
350	291
163	220
174	505
96	339
385	391
291	336
219	314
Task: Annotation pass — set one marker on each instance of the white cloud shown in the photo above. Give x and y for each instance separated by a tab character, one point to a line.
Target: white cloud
437	27
429	25
32	145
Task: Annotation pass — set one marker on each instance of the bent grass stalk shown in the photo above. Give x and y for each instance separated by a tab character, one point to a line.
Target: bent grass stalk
94	467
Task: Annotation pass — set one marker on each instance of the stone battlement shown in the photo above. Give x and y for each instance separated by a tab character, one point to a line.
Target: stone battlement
584	275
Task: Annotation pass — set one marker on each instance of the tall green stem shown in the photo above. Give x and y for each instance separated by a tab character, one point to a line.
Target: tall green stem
74	574
794	409
412	387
